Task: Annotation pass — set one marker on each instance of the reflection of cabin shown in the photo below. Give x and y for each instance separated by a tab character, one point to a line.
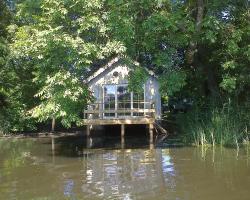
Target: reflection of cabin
115	104
123	174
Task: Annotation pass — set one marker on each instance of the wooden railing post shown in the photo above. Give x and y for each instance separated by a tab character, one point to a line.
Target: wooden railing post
96	112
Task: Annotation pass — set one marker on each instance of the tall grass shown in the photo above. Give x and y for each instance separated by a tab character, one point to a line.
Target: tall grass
225	125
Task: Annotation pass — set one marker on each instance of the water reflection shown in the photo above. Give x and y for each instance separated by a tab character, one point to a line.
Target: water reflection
115	174
16	152
78	173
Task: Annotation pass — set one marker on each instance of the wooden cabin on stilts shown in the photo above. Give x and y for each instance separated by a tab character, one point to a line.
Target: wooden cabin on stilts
115	104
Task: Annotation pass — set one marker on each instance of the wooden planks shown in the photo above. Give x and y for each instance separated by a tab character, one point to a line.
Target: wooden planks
118	121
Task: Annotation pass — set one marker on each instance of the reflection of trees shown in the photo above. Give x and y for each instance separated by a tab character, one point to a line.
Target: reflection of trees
26	171
13	153
12	156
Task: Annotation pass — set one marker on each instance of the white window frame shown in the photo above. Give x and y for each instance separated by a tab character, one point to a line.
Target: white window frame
116	100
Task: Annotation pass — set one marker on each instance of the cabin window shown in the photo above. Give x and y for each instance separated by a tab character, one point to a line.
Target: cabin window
118	97
123	100
138	102
109	99
115	74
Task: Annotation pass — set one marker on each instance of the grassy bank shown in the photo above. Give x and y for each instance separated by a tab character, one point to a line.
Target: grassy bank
227	125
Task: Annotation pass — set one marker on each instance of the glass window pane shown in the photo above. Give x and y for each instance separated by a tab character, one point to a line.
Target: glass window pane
109	99
123	100
138	102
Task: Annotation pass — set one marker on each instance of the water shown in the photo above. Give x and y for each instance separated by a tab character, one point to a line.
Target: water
29	169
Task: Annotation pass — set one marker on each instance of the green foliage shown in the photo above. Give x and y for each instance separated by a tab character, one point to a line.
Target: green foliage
50	41
228	39
63	97
228	83
155	29
5	17
172	82
137	78
13	88
4	21
58	41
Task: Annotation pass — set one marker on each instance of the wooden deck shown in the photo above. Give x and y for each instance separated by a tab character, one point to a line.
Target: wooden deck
96	116
132	120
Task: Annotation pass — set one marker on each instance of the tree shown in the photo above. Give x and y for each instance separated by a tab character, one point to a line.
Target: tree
4	22
152	32
58	41
221	52
11	115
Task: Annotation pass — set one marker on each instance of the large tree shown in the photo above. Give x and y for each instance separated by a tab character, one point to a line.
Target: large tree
58	41
198	43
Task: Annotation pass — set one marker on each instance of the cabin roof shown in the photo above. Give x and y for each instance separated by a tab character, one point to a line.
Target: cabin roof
111	64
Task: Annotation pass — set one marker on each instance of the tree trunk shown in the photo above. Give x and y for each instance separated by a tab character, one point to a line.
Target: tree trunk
192	49
211	81
211	87
195	52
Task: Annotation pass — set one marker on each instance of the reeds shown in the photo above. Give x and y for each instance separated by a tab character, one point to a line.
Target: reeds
227	125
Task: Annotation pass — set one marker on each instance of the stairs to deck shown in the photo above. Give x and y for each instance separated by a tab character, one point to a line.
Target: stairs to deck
162	133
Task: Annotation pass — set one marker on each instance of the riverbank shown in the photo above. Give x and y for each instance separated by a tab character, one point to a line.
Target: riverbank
43	134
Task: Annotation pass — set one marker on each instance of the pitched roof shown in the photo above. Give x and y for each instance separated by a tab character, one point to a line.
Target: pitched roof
110	64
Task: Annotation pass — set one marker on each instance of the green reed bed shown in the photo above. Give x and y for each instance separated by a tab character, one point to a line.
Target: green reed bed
225	125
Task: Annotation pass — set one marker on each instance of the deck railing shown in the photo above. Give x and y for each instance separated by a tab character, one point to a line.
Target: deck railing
143	110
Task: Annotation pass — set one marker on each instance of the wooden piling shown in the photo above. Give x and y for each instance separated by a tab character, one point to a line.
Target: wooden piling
88	130
52	143
89	142
53	124
151	135
122	136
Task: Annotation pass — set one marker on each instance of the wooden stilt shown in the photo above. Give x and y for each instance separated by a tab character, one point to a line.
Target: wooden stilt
52	143
88	130
53	148
89	142
122	136
53	124
89	139
151	135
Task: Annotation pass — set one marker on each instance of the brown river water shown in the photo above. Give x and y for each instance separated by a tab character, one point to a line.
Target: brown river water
29	169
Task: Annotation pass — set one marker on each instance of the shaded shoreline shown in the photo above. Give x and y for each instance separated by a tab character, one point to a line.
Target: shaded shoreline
43	134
